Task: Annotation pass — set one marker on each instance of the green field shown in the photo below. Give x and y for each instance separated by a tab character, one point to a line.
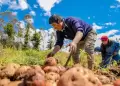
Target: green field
34	57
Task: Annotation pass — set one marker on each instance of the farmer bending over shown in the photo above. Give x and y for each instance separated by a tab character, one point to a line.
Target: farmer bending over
109	50
81	34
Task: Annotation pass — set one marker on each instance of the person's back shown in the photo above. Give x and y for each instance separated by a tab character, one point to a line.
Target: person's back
115	47
76	24
109	50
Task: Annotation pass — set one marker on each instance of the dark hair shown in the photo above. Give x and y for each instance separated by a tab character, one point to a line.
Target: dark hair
55	18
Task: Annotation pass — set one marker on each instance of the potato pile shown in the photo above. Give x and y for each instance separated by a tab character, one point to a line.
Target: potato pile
50	75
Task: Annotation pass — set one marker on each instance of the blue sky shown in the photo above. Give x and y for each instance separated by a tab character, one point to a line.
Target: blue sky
104	15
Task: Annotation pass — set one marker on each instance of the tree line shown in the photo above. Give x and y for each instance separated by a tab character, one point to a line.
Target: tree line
13	35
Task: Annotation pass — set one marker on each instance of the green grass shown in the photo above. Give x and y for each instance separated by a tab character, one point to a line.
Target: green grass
25	57
34	57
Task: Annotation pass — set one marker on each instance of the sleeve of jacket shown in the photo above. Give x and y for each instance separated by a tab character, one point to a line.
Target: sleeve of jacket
77	25
60	38
117	47
98	49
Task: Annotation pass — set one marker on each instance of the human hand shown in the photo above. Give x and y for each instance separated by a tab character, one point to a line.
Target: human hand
51	54
115	53
73	47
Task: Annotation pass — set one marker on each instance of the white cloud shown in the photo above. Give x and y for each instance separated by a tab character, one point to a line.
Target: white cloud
51	30
115	37
30	20
97	43
118	1
47	5
14	5
47	14
31	32
35	6
88	17
22	24
44	39
108	33
33	13
4	1
95	26
110	23
37	30
22	4
117	5
112	6
14	13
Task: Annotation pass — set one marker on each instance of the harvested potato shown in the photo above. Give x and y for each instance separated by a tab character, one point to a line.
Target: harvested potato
51	61
20	72
76	76
8	70
51	69
4	82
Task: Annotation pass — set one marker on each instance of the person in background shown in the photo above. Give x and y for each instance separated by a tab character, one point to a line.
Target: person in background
81	34
109	50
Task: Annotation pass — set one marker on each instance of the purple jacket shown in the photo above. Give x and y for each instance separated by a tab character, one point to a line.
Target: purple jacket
70	27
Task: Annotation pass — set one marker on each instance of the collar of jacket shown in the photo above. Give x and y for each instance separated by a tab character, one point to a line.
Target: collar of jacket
64	25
